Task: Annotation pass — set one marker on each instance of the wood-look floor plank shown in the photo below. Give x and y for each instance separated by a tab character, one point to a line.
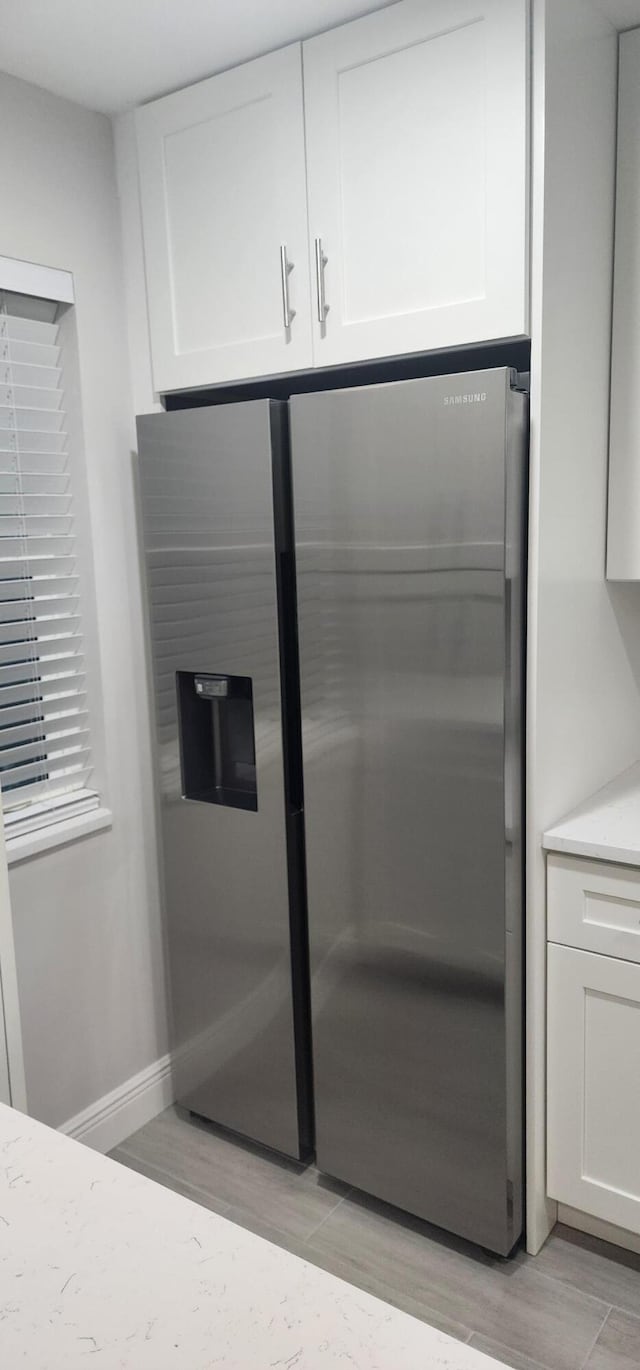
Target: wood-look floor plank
531	1314
549	1313
268	1188
179	1186
618	1346
268	1231
594	1267
391	1293
504	1355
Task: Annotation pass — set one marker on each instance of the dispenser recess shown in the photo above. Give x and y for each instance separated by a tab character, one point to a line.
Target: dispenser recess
217	739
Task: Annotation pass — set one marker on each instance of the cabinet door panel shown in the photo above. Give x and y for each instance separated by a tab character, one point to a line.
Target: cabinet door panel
222	184
416	164
594	1093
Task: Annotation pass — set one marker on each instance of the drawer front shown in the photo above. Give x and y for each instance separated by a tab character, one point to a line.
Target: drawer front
593	1109
594	906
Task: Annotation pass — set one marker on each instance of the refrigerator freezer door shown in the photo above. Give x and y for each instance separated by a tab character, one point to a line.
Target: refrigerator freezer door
208	529
410	646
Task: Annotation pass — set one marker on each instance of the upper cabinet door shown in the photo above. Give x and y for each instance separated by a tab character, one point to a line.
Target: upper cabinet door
222	185
416	121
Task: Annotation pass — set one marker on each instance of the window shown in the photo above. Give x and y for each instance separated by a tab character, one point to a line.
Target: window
45	742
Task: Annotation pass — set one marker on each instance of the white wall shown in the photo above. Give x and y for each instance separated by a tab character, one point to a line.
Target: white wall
86	916
12	1087
583	696
145	400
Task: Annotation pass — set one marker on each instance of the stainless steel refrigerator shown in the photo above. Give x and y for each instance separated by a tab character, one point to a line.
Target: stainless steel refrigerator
408	512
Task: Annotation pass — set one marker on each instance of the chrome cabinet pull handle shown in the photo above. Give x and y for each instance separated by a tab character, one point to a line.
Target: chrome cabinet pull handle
321	262
286	267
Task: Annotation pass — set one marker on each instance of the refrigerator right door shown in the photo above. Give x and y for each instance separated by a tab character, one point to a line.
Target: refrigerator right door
409	504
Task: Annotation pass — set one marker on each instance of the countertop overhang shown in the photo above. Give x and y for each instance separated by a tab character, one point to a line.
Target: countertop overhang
606	827
101	1266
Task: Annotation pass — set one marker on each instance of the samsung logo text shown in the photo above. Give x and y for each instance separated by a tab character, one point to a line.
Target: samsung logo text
473	397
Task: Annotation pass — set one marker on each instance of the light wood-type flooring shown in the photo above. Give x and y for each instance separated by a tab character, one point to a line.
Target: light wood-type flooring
576	1306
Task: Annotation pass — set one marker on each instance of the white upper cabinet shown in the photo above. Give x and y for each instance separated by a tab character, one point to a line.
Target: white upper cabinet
222	186
413	121
416	130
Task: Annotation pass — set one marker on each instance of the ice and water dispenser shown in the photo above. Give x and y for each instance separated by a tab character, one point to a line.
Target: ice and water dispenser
217	739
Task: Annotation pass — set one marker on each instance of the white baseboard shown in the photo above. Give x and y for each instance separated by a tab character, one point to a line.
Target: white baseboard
596	1227
111	1119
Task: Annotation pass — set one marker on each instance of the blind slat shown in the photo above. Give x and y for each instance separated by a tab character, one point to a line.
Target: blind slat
24	329
43	671
38	483
12	442
40	546
30	376
38	353
54	727
55	748
32	463
13	417
41	568
34	503
49	746
34	525
28	608
15	638
20	701
39	772
58	782
35	590
13	394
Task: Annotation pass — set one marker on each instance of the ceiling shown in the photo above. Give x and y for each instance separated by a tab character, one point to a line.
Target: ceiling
113	54
625	14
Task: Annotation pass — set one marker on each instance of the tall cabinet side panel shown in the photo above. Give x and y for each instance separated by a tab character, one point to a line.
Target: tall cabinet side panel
208	531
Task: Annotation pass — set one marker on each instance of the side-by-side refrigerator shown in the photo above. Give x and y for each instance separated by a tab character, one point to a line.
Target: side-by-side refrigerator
394	713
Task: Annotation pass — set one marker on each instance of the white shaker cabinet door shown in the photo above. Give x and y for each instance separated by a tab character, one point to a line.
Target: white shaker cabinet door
222	186
593	1160
416	120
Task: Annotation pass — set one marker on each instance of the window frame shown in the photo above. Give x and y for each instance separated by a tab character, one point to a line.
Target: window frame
92	813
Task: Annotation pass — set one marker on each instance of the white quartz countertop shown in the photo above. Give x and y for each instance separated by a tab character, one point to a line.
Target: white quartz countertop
100	1266
606	827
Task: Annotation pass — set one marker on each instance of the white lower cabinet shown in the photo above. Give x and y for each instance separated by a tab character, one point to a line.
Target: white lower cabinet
593	1156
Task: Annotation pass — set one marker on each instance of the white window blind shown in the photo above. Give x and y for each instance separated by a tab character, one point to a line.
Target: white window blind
45	755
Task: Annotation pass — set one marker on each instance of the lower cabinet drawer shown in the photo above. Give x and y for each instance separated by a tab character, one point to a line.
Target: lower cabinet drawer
593	1118
594	905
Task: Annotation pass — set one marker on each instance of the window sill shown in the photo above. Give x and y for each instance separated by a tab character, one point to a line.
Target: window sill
57	834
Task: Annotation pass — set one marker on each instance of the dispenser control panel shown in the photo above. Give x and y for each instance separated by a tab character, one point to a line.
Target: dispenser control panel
211	686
